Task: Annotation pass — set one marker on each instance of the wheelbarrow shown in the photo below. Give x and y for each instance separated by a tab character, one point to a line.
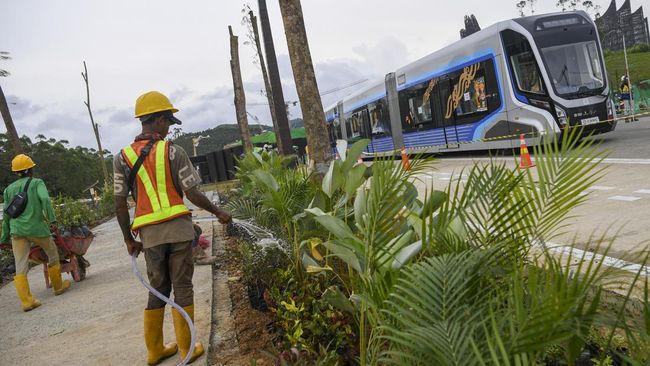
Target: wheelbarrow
71	250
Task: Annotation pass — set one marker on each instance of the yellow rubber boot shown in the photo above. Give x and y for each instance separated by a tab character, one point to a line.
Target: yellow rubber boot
22	288
58	284
183	335
153	337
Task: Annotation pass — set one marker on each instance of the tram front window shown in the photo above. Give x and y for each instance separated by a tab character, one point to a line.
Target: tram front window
574	69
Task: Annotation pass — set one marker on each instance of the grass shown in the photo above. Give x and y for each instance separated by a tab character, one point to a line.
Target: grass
639	66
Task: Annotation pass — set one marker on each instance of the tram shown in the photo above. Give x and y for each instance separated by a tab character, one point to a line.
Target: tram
532	75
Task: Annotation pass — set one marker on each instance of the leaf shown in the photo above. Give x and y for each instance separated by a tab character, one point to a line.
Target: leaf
313	244
319	200
360	206
405	254
267	179
333	178
433	203
344	253
353	154
354	179
342	148
335	226
335	297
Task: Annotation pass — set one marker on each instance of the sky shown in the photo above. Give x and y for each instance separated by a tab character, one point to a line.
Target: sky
181	48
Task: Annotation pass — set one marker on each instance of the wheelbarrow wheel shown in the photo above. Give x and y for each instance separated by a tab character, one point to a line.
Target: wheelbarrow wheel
81	265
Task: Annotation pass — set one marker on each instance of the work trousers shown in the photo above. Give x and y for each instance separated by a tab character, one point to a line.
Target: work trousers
21	246
170	266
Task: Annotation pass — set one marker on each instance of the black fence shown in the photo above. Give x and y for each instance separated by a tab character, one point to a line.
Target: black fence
219	166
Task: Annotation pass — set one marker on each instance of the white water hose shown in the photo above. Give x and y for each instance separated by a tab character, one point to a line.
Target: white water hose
171	303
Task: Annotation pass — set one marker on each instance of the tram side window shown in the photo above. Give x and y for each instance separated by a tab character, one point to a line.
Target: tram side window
379	121
473	98
415	105
473	92
523	63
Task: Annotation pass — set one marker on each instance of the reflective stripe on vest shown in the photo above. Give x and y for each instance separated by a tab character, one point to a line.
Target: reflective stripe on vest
157	195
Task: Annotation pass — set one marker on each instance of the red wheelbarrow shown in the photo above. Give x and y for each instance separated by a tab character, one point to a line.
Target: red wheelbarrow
71	251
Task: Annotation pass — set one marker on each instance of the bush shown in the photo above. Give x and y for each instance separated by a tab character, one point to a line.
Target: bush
640	48
260	262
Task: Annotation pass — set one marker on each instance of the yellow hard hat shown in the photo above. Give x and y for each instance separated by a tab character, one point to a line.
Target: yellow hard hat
152	102
22	162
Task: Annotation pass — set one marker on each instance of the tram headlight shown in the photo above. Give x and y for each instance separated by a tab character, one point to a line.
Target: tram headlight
561	115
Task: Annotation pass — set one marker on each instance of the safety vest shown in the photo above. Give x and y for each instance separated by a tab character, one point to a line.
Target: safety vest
157	199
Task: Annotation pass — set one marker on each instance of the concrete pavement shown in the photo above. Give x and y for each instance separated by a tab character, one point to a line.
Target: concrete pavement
98	321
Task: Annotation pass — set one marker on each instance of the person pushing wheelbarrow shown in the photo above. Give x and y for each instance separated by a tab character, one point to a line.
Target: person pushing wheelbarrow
27	218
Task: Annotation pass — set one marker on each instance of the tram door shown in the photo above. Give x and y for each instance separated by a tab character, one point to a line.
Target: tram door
439	103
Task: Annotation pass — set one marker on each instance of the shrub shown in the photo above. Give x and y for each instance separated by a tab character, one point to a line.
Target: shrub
260	263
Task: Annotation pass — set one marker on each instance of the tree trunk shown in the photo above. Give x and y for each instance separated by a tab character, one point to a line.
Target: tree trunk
276	85
240	97
265	76
84	75
306	85
9	123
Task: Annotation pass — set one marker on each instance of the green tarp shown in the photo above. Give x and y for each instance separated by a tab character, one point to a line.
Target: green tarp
269	137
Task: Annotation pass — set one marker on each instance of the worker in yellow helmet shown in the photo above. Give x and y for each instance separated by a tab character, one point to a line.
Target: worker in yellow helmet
158	174
30	225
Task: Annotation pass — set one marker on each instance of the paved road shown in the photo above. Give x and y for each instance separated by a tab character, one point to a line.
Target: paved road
618	206
99	320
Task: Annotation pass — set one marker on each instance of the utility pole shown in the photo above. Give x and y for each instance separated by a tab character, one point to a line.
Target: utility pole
629	78
240	97
276	84
84	75
306	85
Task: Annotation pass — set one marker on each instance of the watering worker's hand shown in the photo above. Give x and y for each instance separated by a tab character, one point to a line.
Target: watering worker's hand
132	246
224	217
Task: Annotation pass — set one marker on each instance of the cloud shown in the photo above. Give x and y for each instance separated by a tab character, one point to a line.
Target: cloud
20	107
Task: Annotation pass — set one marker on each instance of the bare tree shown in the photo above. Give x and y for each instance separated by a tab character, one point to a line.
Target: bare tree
84	75
254	39
276	85
306	85
4	110
240	96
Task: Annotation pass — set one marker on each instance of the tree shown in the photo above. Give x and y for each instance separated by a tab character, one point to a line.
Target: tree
276	84
95	126
240	96
471	26
306	85
254	39
520	7
6	115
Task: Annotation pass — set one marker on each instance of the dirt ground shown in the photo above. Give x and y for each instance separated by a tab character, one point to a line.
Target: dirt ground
250	341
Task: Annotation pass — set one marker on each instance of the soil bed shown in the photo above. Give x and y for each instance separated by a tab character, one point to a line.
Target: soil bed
251	326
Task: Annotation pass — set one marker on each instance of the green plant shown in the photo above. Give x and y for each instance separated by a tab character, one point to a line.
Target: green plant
72	213
260	263
309	327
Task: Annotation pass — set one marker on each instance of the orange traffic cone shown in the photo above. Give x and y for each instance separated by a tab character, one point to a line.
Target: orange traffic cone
405	160
526	162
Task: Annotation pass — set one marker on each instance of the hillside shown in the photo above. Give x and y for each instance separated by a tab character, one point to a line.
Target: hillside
639	66
221	135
